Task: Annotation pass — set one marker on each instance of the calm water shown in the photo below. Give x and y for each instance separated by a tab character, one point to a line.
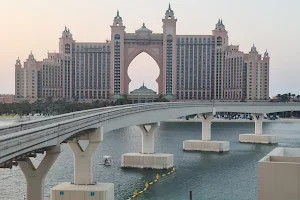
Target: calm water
231	176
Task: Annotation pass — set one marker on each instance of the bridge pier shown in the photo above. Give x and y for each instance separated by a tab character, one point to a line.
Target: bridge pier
258	136
206	144
84	186
148	137
35	177
148	158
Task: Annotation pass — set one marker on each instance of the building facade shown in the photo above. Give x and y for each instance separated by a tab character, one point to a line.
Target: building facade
192	67
7	98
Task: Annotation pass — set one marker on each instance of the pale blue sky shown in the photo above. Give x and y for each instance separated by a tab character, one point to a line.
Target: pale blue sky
36	25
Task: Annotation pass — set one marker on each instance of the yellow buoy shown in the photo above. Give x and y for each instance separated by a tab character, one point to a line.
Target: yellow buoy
146	184
157	177
135	193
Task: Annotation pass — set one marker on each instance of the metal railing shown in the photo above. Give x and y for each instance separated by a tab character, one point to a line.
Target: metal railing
54	119
22	140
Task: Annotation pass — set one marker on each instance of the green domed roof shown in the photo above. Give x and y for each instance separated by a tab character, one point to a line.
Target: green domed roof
143	29
220	23
168	97
143	90
117	96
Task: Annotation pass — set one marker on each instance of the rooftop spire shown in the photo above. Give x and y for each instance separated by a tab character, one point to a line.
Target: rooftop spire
220	23
143	84
253	49
31	56
266	53
144	26
169	9
118	15
18	62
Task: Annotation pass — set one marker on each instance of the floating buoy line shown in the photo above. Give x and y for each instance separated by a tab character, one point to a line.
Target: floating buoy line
148	184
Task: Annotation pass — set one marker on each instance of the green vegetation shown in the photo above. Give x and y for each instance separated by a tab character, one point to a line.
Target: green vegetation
50	107
287	97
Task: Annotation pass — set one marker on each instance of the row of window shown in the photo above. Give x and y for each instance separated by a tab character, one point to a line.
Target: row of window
194	40
117	69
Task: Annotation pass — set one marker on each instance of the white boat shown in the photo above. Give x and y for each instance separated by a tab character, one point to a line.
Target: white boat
107	161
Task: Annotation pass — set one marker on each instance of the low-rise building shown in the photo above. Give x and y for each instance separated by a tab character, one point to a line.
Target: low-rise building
142	95
7	98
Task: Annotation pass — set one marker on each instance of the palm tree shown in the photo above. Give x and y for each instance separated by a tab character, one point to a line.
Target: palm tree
278	96
289	96
125	96
284	97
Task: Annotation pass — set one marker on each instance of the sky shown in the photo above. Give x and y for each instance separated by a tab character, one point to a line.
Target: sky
35	25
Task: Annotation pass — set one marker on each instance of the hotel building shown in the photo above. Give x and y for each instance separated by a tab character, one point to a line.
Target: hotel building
192	67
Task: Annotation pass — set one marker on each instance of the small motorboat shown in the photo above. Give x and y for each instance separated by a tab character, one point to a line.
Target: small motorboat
107	161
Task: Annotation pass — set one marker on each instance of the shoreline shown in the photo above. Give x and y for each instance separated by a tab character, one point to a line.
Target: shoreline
195	120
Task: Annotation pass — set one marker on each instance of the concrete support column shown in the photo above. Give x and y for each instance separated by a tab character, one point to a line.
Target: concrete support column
206	119
148	137
258	136
83	172
258	123
206	144
147	158
35	177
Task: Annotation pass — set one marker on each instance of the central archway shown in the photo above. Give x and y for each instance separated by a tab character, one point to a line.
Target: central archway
131	51
143	70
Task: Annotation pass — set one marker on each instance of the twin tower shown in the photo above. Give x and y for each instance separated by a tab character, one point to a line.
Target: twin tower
161	47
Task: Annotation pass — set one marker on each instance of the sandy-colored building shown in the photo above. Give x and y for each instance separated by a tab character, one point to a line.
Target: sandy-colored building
192	67
7	98
257	73
27	81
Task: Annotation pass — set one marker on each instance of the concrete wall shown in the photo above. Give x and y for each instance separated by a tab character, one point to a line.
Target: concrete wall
279	175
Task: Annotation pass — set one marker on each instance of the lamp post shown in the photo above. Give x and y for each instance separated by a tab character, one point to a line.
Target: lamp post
213	107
